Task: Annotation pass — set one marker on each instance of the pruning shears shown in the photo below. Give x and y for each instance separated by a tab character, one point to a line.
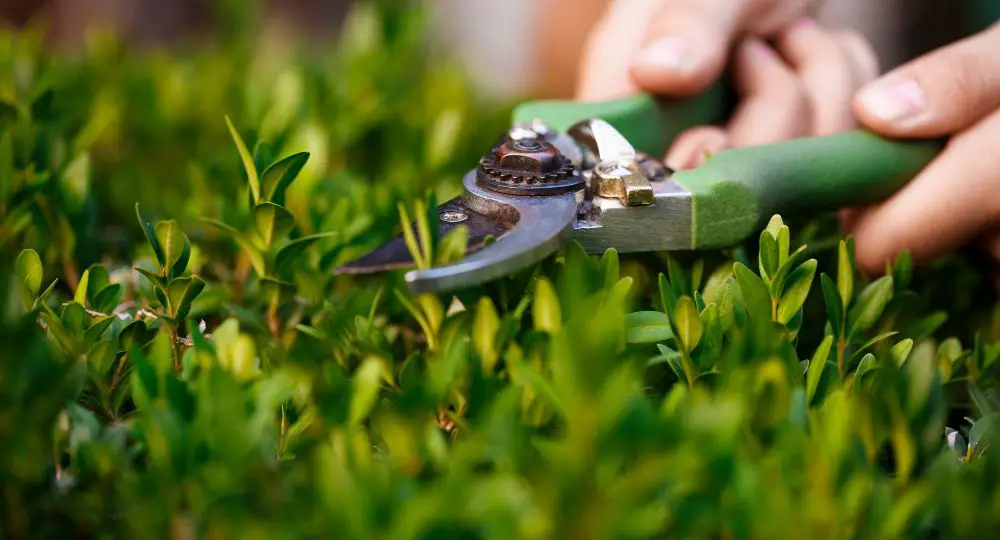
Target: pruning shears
591	172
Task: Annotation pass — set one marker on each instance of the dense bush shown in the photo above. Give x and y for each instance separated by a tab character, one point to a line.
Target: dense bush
176	359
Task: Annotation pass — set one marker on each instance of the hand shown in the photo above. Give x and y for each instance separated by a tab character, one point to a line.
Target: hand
800	85
954	91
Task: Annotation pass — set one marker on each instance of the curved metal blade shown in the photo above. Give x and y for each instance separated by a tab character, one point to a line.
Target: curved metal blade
541	225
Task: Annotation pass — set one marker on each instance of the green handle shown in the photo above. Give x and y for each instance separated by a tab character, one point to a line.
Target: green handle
649	123
735	191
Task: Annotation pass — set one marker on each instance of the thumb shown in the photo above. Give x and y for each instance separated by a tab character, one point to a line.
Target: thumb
938	94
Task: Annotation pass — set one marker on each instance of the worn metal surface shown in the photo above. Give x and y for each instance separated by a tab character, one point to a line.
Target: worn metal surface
543	225
394	255
663	225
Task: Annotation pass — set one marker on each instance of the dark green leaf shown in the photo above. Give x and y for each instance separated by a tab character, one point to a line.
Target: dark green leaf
150	233
292	250
870	305
834	305
108	298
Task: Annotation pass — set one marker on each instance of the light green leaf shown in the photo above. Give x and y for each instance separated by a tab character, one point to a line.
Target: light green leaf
872	342
273	222
784	241
484	334
845	274
687	321
366	387
774	226
277	177
173	243
452	246
28	269
796	291
545	309
80	296
870	305
74	182
248	163
816	366
256	258
901	351
643	327
609	268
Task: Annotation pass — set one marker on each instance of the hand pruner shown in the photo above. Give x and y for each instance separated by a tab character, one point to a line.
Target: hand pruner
591	172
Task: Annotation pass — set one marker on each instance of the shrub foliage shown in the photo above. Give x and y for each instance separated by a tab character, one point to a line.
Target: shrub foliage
178	361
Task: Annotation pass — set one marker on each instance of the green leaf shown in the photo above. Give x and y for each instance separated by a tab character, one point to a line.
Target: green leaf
711	342
415	249
28	269
756	297
834	305
845	274
452	246
667	297
872	342
97	329
291	251
609	268
107	300
6	168
869	305
687	322
153	278
256	258
248	164
774	226
643	327
767	256
816	366
173	243
545	309
485	327
273	222
901	351
902	270
276	178
135	334
796	291
366	387
149	232
74	318
867	365
784	243
80	296
181	292
678	282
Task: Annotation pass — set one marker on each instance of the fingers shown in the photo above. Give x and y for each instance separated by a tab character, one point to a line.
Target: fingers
687	42
610	48
774	103
943	207
937	94
832	66
691	148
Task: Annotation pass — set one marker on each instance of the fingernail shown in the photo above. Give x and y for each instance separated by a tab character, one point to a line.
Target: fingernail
670	53
893	101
